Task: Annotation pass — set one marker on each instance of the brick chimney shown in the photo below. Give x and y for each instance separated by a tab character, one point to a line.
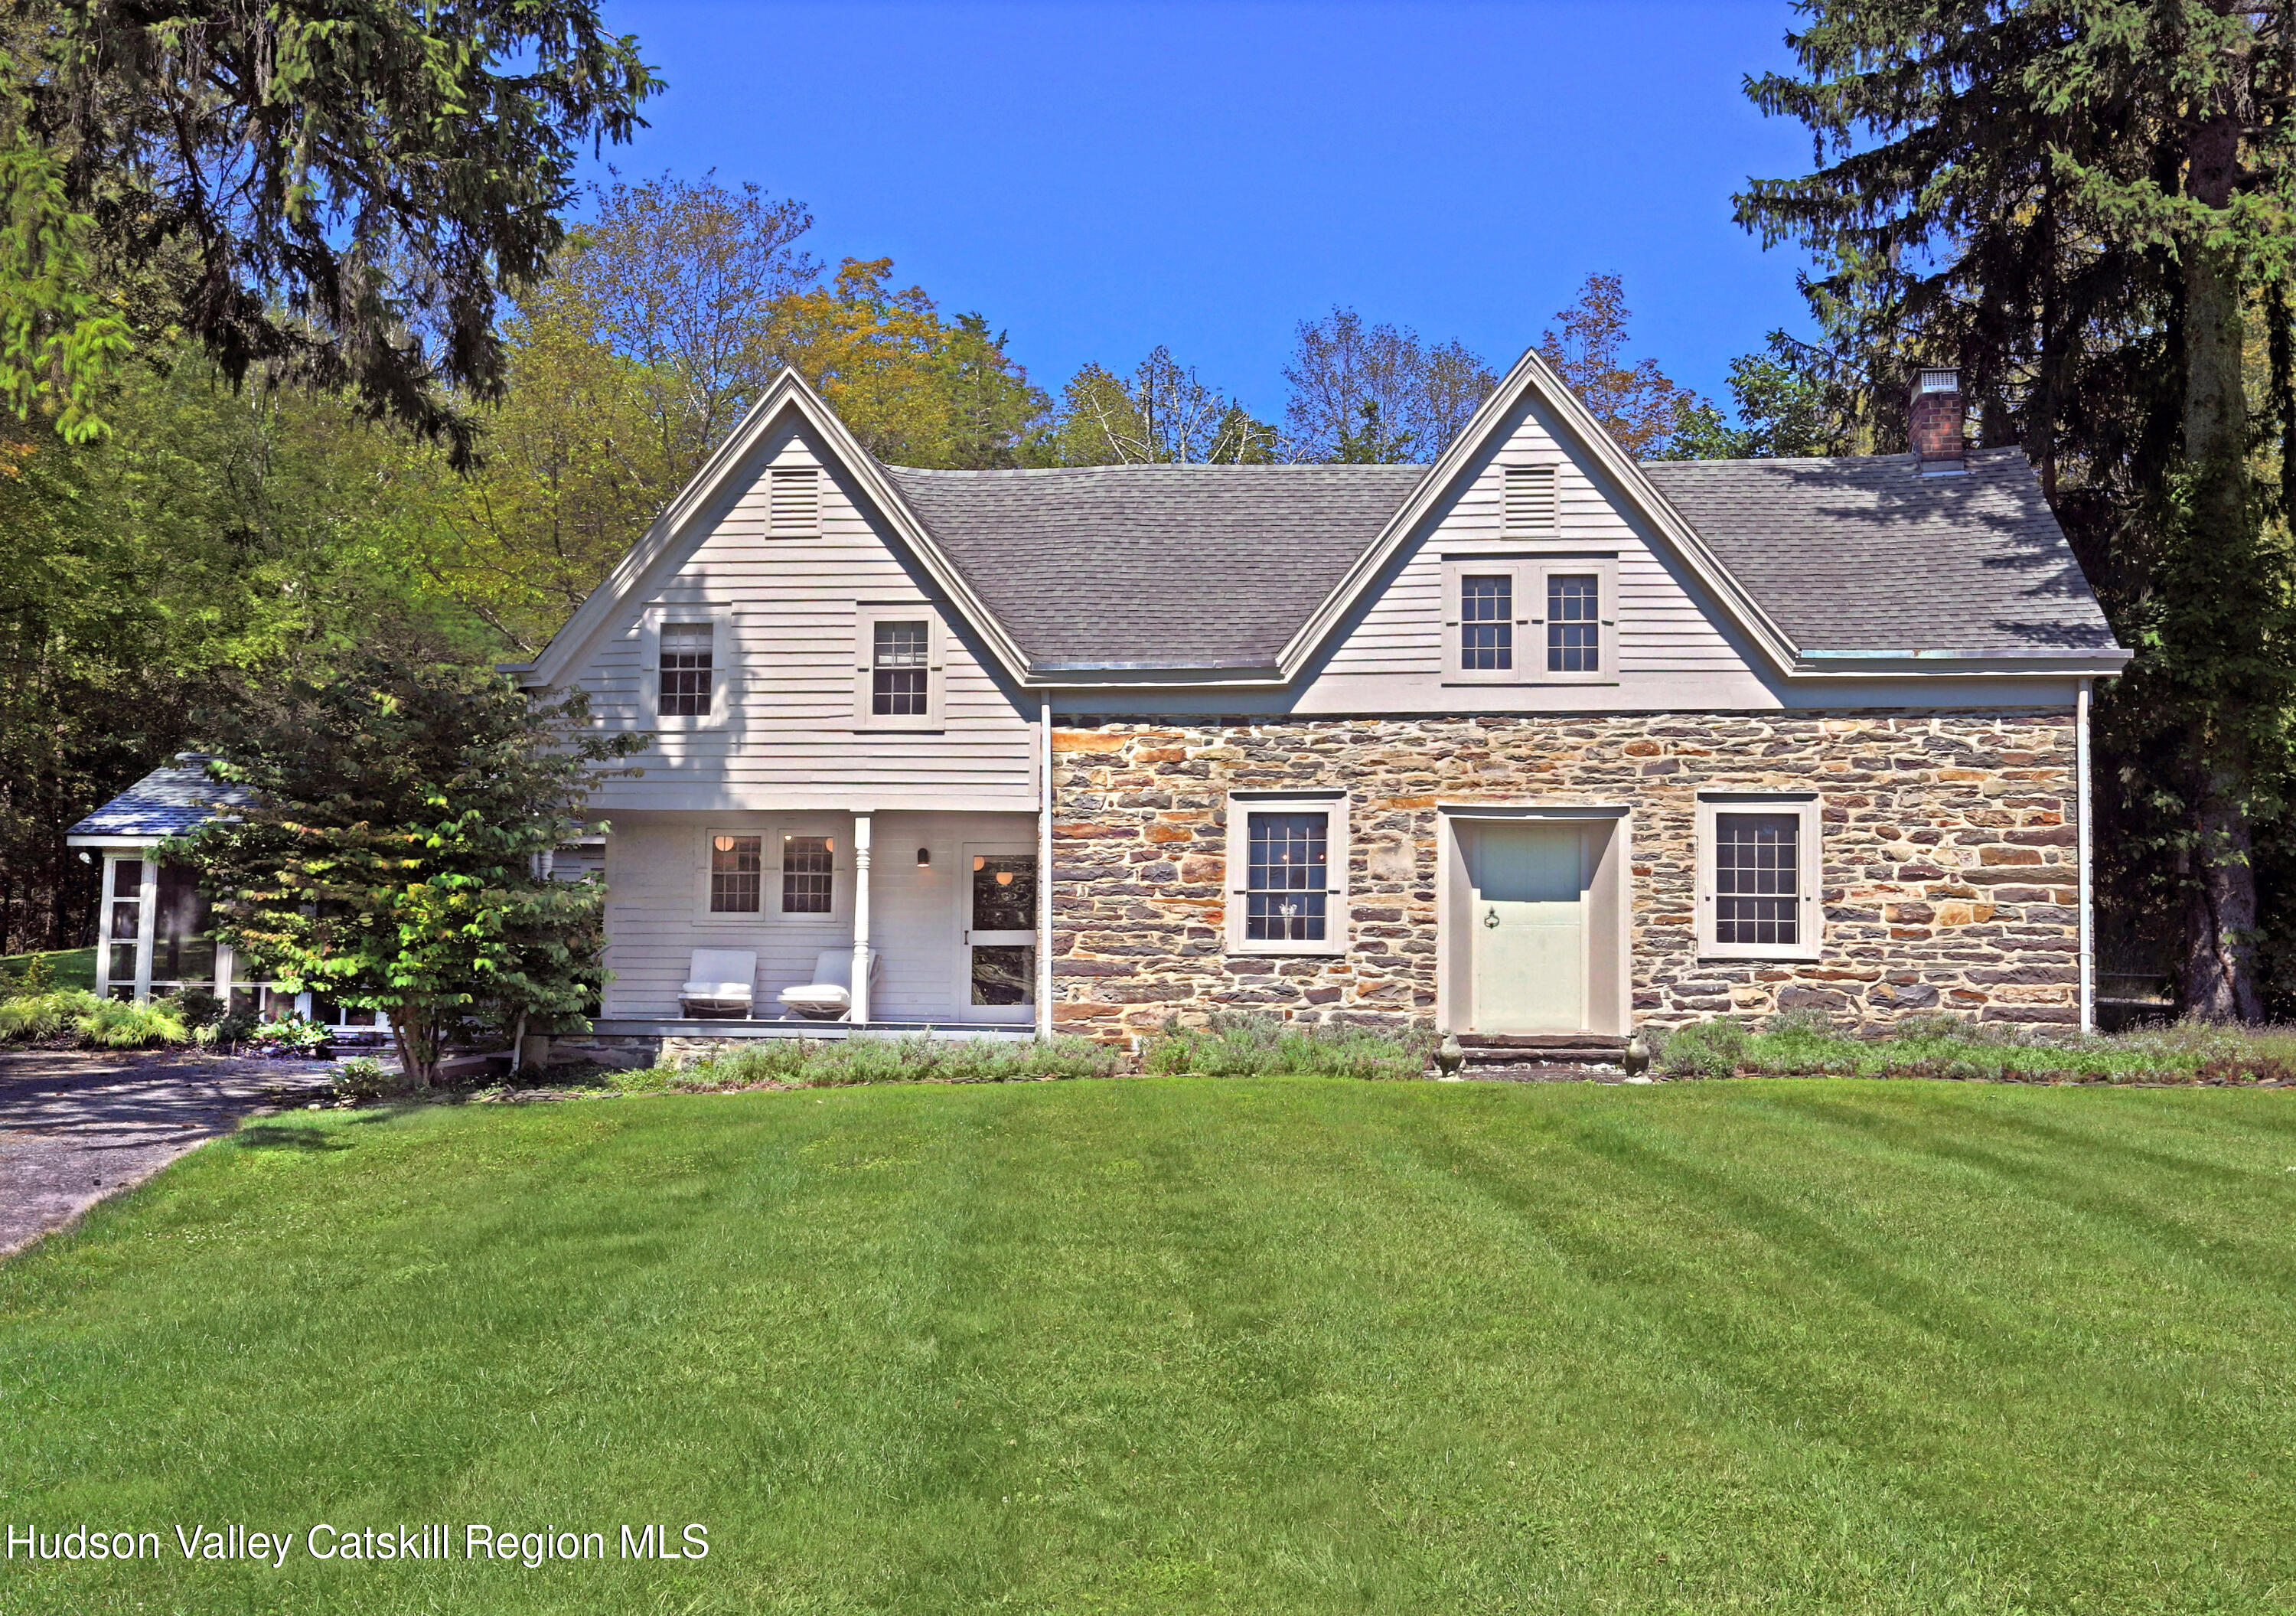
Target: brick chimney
1936	420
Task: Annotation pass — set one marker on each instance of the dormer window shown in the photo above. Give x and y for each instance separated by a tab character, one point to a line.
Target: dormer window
897	668
687	658
1487	621
898	673
1574	622
1529	621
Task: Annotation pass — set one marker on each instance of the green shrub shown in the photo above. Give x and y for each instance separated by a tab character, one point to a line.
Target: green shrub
915	1057
1704	1049
293	1033
44	1015
1234	1045
36	980
198	1008
364	1078
119	1024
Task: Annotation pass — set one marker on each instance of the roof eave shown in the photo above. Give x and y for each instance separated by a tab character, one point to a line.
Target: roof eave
1138	676
1898	664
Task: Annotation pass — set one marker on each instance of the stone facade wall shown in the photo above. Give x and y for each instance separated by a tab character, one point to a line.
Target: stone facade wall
1950	870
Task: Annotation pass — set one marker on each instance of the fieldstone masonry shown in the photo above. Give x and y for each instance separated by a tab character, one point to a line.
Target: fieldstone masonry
1950	868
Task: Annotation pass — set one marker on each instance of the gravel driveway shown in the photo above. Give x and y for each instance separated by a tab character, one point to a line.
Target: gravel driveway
76	1127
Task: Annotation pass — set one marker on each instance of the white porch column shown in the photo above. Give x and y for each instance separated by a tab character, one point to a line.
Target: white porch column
860	1010
147	920
107	873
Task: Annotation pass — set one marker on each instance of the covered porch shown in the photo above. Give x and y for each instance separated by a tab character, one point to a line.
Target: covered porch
806	923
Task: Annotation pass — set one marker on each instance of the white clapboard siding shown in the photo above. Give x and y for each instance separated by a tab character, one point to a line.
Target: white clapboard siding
789	562
657	912
1534	491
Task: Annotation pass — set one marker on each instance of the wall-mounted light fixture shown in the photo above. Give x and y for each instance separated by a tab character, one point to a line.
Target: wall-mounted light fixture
924	858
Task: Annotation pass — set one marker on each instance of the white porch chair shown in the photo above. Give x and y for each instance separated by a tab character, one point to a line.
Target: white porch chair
829	995
722	982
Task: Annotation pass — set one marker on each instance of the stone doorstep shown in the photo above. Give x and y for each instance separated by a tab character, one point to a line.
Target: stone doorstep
1542	1049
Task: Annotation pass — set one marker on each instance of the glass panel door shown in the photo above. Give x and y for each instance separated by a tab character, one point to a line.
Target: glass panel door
1000	935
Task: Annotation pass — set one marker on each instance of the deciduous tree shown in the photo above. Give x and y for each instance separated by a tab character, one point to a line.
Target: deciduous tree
1376	393
394	855
1636	403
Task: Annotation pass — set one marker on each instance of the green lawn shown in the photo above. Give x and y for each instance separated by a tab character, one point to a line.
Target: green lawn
72	967
1175	1345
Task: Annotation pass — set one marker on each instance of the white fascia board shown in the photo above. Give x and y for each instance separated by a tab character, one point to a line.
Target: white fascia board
114	841
1989	664
1531	375
789	391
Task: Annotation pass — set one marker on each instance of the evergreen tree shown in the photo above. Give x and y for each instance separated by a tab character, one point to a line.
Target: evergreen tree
2084	206
338	191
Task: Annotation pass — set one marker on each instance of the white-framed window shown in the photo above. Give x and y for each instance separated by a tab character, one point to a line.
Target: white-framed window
1531	501
1531	620
687	657
1759	865
684	666
1287	873
736	873
757	874
897	671
808	873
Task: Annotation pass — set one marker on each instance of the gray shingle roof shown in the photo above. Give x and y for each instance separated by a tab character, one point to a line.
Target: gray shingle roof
1164	566
1866	555
1196	566
174	796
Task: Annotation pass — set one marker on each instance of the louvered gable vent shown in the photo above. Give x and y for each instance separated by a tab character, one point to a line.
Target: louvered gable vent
1530	499
796	500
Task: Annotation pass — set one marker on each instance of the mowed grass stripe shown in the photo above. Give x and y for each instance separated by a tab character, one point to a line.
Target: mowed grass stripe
1186	1345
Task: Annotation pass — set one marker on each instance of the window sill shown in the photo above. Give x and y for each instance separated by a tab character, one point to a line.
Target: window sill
899	726
1746	951
1529	681
1287	950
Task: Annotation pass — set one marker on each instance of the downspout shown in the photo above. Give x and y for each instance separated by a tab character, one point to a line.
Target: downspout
2087	921
1044	868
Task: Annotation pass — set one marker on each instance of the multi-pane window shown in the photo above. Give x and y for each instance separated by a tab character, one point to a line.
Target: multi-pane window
685	658
734	875
807	871
1757	879
1487	622
898	671
182	952
1574	625
127	912
1287	878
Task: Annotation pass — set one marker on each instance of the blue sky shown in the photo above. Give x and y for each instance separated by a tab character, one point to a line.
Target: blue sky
1098	176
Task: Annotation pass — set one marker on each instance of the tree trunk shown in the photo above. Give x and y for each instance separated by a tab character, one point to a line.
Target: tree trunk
2220	907
417	1031
2220	904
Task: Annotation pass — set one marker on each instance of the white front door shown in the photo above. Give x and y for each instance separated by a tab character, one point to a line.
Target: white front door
1527	926
997	928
